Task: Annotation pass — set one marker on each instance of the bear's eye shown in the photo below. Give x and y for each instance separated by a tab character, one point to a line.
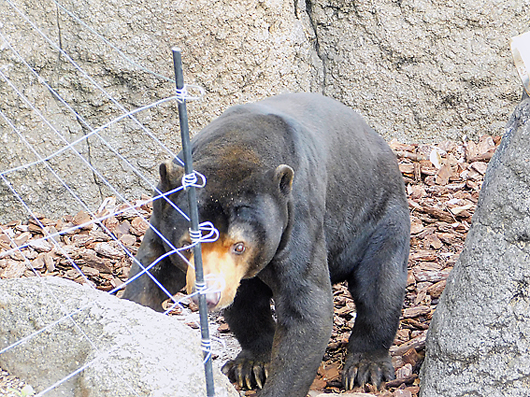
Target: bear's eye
238	248
185	246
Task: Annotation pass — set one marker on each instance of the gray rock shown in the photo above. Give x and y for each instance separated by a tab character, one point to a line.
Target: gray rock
479	339
422	70
417	70
237	52
124	349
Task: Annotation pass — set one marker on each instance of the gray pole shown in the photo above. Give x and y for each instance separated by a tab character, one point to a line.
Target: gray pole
194	230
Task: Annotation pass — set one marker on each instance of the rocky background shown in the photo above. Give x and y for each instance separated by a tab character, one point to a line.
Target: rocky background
127	349
419	71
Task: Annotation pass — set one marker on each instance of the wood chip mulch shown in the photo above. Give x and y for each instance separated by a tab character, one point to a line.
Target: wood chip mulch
443	183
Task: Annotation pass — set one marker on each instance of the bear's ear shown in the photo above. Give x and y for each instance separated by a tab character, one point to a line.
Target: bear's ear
283	178
170	175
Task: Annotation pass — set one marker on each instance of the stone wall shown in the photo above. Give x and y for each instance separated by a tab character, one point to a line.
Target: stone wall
417	70
422	70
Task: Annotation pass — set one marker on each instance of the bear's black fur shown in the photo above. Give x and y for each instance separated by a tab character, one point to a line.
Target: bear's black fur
304	194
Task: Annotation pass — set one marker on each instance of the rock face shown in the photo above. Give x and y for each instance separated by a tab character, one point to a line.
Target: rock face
128	350
416	69
238	52
479	339
422	69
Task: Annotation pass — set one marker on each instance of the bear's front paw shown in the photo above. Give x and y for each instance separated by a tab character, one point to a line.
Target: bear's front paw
368	367
248	372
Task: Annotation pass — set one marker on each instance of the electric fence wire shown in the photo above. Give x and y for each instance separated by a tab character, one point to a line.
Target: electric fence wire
70	146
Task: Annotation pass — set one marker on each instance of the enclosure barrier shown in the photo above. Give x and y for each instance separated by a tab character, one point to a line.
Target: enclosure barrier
195	232
18	255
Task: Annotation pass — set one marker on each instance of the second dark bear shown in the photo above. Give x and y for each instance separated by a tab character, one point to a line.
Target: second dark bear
304	194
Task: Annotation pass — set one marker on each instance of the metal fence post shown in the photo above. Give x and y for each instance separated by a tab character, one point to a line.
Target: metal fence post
194	216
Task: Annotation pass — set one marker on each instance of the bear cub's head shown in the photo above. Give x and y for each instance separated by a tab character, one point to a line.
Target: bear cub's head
249	206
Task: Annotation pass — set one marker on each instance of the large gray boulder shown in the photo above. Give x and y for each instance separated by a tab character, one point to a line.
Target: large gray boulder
479	339
121	348
417	70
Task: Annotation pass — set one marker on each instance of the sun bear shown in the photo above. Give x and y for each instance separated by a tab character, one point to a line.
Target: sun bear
304	194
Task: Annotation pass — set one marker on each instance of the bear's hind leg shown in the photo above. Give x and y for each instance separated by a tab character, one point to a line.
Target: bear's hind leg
250	319
377	287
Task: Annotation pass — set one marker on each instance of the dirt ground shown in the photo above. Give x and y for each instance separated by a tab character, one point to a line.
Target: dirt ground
443	183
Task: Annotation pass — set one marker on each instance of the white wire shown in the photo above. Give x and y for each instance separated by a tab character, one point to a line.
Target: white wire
89	78
144	271
70	146
184	95
89	165
79	370
57	245
92	131
45	328
66	315
82	120
83	204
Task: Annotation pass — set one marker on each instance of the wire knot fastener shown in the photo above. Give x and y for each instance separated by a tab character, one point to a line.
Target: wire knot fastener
201	288
183	94
195	179
195	236
206	347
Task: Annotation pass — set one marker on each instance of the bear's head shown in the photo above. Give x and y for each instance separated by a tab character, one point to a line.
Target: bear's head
249	205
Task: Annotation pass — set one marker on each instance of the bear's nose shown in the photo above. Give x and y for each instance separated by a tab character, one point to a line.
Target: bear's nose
212	298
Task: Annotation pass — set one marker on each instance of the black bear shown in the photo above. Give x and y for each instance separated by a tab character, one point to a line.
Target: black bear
304	194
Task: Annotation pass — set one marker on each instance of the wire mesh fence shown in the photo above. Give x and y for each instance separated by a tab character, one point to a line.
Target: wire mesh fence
95	244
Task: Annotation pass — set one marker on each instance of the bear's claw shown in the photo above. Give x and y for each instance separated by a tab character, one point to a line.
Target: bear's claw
247	373
369	367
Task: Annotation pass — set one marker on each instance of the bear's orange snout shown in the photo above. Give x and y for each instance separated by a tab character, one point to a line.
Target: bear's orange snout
222	273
